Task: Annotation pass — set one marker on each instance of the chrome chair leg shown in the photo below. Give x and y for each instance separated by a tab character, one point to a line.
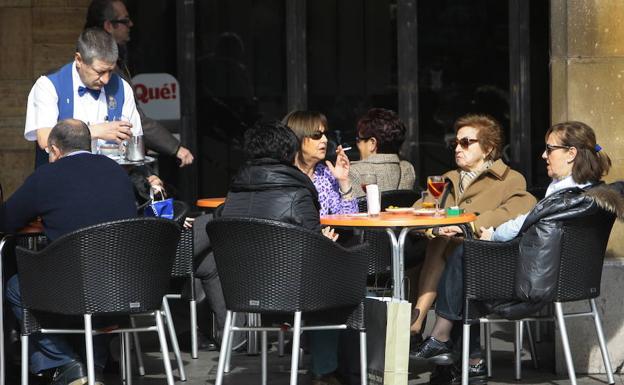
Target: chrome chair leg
24	366
264	356
123	373
363	367
565	342
127	357
488	347
294	363
465	353
518	349
162	337
174	338
253	319
137	348
89	349
601	341
229	318
532	345
228	352
280	343
193	314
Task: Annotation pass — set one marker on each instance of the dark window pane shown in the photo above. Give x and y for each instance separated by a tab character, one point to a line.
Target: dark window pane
240	78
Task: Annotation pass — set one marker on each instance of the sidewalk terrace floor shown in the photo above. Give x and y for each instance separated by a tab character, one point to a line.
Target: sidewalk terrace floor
246	368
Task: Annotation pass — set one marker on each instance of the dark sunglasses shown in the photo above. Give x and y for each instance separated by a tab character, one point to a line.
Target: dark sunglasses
551	147
125	21
316	135
463	142
359	139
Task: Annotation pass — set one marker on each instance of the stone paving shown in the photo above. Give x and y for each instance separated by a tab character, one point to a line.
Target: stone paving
246	369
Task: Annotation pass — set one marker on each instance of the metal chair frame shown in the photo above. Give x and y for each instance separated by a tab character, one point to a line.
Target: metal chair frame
286	260
112	243
579	279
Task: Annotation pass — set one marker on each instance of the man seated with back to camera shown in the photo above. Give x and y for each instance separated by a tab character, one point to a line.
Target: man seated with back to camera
75	190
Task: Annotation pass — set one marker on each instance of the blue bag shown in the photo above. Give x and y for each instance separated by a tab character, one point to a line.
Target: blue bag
159	208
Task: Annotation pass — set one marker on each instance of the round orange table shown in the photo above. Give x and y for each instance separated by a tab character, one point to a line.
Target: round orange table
391	221
210	203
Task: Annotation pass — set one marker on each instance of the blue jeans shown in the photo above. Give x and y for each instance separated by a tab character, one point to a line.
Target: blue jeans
49	351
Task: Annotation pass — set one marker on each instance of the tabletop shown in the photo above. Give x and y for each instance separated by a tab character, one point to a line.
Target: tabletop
210	202
386	219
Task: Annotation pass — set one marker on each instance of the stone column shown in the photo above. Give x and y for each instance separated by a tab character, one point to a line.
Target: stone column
587	84
36	36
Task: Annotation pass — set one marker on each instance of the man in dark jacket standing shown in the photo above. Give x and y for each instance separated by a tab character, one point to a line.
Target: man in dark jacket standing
75	190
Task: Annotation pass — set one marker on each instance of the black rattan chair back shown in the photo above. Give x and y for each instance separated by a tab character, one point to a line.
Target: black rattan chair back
399	198
183	262
489	267
119	267
267	266
582	255
180	211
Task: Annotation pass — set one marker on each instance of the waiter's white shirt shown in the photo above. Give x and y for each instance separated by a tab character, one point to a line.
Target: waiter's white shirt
42	108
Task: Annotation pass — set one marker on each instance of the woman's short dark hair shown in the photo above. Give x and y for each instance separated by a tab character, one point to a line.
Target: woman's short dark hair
385	126
271	139
591	163
489	133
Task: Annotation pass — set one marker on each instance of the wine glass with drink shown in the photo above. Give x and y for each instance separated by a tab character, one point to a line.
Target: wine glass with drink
435	186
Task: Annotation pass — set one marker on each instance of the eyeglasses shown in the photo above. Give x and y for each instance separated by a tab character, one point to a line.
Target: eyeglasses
359	139
463	142
551	147
316	135
124	21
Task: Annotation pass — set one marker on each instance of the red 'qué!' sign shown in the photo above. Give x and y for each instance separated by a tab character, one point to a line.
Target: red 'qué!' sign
158	94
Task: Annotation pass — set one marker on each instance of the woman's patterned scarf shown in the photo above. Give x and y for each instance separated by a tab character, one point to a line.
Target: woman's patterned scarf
466	177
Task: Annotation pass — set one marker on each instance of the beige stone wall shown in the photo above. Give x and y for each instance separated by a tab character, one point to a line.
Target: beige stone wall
36	36
587	83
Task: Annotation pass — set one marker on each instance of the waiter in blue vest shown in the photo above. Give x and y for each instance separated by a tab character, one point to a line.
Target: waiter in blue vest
86	89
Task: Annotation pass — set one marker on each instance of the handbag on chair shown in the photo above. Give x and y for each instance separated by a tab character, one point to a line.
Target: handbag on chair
162	208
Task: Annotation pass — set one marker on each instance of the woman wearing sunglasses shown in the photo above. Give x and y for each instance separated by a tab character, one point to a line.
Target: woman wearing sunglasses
331	181
482	184
335	196
380	134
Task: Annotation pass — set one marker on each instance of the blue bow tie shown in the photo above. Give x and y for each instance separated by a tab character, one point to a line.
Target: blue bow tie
95	93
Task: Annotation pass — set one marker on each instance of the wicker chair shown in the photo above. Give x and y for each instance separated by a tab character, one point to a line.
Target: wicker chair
115	268
580	270
270	267
182	268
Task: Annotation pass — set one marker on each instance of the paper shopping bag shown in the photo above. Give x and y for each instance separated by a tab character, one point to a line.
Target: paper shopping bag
387	340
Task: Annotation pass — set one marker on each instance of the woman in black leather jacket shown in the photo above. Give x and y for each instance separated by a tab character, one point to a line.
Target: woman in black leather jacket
269	185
